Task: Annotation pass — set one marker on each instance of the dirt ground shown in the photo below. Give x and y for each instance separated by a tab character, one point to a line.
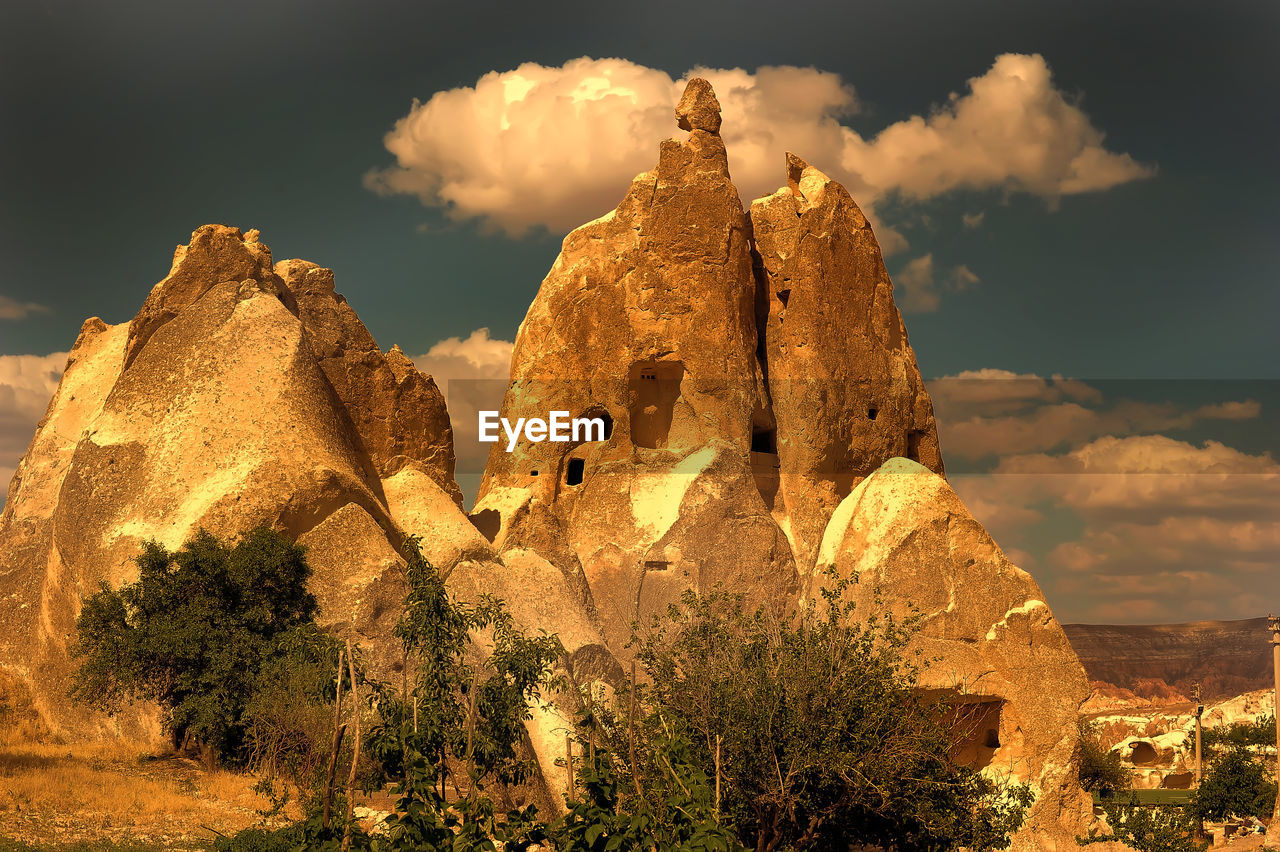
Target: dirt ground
114	795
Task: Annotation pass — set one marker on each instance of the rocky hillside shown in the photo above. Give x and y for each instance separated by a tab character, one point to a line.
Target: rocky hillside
1159	661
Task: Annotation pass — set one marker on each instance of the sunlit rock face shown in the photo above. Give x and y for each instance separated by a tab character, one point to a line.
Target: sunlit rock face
845	390
762	400
766	429
749	383
243	393
246	393
999	657
647	319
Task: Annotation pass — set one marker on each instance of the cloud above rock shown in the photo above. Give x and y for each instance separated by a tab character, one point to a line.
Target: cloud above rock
1119	521
12	309
472	372
555	146
27	383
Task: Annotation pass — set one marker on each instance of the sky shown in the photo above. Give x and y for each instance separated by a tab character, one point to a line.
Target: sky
1078	204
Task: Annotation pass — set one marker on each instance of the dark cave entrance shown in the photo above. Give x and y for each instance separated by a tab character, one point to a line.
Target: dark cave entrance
975	729
654	387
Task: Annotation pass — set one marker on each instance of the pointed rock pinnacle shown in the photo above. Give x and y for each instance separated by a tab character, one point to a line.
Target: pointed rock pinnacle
698	108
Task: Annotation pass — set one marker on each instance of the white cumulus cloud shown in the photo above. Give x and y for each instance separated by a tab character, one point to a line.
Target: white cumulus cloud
473	373
555	146
27	383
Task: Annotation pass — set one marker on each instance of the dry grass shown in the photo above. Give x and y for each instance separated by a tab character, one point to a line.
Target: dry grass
112	791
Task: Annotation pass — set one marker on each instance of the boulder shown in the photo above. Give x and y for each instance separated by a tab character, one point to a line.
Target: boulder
994	650
238	396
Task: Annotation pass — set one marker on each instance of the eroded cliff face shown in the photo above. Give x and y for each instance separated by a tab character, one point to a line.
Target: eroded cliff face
246	393
1158	661
243	393
767	430
999	657
647	319
752	369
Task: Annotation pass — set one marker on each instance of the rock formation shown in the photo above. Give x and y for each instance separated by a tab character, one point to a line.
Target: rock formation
999	656
647	319
845	390
766	428
768	425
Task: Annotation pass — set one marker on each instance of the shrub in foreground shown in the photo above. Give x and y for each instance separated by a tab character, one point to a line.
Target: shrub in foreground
206	632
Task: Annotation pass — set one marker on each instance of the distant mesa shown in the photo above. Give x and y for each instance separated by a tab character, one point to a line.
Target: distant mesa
1162	661
769	430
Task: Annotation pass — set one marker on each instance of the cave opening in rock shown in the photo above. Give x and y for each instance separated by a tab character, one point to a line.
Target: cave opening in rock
1142	753
914	438
654	387
764	440
597	412
784	296
975	729
765	467
872	413
574	471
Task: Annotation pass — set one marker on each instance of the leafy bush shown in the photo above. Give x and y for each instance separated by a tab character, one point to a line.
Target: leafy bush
1236	785
1150	829
460	724
202	632
824	739
1100	768
1258	733
606	818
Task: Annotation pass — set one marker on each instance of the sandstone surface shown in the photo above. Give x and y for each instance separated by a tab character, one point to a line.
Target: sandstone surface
767	423
243	393
845	389
998	654
766	428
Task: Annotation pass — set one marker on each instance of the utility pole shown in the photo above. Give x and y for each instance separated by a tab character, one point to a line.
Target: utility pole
1195	696
1275	665
1273	830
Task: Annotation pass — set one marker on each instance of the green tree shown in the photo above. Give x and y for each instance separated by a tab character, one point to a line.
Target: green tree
824	739
1236	785
1261	732
1100	767
460	725
1149	829
606	817
195	632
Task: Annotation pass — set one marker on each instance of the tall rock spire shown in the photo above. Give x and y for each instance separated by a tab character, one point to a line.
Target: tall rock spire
845	389
647	318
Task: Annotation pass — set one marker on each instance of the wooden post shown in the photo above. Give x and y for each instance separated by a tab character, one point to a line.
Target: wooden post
631	732
568	762
1275	665
338	730
717	777
355	753
1195	695
1273	830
